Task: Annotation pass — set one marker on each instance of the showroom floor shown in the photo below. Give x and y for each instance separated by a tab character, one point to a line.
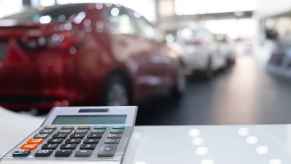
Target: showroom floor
244	95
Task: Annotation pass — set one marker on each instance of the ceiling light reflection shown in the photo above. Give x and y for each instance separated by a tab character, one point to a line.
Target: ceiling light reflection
252	140
194	132
243	132
198	141
202	151
262	150
80	17
114	11
45	19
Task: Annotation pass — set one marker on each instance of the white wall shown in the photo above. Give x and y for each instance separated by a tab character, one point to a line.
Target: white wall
146	8
272	7
8	7
190	7
234	28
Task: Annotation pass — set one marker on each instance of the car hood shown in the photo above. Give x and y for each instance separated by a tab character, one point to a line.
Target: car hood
16	28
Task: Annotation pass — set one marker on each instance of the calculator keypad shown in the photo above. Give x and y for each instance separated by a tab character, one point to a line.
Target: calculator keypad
43	153
83	153
21	153
63	153
69	141
107	150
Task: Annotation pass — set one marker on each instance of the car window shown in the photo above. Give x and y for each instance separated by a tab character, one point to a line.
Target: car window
120	22
50	14
61	14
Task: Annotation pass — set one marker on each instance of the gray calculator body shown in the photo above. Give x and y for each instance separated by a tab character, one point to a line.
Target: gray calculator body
77	134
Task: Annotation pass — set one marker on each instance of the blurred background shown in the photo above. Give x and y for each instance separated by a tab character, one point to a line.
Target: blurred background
180	61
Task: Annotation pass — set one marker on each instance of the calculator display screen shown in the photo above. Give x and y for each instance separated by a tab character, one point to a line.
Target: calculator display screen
90	119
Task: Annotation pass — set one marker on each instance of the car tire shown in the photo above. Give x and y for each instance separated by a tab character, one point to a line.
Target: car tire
209	68
117	91
230	62
180	85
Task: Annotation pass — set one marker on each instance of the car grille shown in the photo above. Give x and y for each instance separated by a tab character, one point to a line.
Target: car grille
3	48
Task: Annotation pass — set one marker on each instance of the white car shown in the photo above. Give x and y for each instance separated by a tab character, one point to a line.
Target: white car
226	48
200	50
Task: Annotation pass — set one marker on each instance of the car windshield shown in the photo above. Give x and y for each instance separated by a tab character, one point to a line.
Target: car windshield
50	14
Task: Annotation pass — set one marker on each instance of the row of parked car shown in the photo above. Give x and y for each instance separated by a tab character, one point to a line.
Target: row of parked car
203	51
94	54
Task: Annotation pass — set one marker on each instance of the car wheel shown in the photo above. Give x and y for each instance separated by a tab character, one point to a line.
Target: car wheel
117	91
209	68
180	84
230	61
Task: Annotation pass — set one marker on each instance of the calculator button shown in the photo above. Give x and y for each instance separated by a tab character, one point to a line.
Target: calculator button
69	146
83	153
65	131
67	127
84	127
98	130
78	135
107	150
35	141
60	135
49	146
55	140
43	153
91	141
112	141
43	136
63	153
114	136
29	147
95	135
119	127
116	131
20	153
50	127
73	141
46	131
88	146
82	131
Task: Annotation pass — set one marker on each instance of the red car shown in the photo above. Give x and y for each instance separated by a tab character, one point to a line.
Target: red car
83	54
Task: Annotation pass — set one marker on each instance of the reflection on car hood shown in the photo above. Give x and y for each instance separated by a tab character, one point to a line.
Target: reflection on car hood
16	23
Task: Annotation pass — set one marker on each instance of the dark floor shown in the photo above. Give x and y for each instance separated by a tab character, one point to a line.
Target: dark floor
244	95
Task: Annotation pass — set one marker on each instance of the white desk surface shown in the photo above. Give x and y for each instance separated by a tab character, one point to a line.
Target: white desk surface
261	144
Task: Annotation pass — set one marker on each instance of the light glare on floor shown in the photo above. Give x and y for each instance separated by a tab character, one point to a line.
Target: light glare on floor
243	132
207	161
202	151
140	162
194	132
197	141
275	161
262	150
252	140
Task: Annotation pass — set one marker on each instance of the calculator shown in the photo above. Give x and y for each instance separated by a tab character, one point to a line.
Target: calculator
78	135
